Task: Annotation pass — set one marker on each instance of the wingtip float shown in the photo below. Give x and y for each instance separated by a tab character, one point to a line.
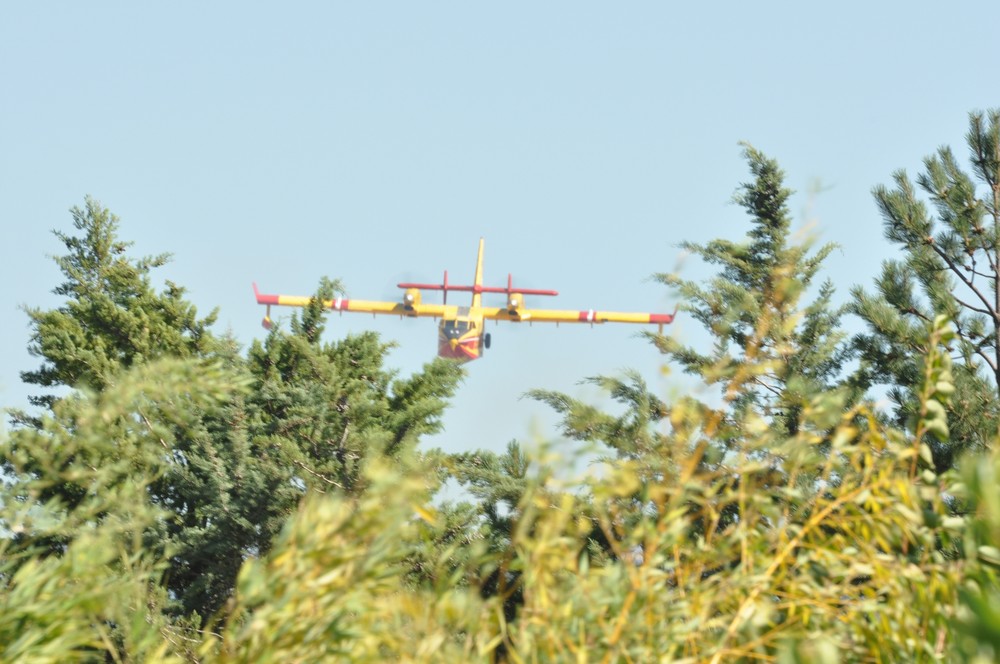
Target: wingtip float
461	332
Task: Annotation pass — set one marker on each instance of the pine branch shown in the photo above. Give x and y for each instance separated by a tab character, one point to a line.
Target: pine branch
319	476
970	307
957	272
980	351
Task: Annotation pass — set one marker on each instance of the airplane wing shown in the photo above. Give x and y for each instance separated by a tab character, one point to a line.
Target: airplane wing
591	316
402	308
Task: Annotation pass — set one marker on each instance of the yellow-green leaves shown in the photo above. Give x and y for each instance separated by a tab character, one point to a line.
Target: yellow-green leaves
938	387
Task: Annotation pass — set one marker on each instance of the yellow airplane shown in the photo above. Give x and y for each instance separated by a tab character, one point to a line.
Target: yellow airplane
461	334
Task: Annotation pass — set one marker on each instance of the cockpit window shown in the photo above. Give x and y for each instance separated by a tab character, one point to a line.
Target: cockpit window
454	329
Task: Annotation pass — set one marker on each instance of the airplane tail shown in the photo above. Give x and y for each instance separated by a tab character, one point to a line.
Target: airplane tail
477	289
477	296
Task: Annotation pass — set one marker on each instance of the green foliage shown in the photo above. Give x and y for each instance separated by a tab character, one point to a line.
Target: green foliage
632	434
488	561
77	577
187	504
301	414
856	562
498	482
206	481
783	523
850	561
334	587
96	601
752	309
113	318
978	621
326	409
949	266
853	557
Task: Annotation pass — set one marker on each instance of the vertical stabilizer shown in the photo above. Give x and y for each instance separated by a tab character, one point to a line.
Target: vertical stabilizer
477	296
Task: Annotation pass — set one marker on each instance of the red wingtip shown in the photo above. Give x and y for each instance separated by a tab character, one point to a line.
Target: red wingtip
663	319
264	299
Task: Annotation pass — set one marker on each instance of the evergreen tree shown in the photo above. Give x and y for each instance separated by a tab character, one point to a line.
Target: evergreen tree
472	544
770	354
753	311
326	409
210	489
950	266
499	483
771	357
632	434
113	318
217	494
100	596
303	414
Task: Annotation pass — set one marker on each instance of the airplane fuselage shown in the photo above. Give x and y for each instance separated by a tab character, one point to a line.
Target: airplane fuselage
462	338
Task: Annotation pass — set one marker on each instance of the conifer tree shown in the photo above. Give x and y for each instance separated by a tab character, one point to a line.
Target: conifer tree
752	309
770	353
472	543
771	357
101	597
112	318
328	408
947	228
210	489
303	414
499	483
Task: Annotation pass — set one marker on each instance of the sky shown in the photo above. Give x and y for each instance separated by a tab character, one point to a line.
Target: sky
376	142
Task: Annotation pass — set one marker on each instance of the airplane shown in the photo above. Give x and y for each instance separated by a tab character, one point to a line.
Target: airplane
461	334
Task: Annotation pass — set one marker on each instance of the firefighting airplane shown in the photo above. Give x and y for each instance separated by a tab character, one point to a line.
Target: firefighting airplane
461	334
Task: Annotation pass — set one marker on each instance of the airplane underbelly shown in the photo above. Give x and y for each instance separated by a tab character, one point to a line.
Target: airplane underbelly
463	351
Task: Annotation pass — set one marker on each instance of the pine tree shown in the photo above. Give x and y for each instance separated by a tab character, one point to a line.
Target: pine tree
498	483
753	311
79	581
112	318
772	359
303	414
326	409
212	487
770	353
950	266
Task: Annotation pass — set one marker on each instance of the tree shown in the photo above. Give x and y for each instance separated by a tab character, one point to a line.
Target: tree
80	579
755	520
779	525
302	415
113	318
950	266
854	569
753	313
499	484
327	409
769	354
777	364
210	490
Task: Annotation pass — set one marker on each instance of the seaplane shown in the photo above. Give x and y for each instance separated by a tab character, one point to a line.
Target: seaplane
461	332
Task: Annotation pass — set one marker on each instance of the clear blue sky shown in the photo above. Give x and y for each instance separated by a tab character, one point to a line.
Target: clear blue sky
376	141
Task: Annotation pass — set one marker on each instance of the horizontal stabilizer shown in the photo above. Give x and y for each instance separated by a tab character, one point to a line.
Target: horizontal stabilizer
445	286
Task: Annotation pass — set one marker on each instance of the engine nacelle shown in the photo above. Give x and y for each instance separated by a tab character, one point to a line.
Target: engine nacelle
515	302
411	297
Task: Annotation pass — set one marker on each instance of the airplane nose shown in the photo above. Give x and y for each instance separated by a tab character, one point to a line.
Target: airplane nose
454	344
